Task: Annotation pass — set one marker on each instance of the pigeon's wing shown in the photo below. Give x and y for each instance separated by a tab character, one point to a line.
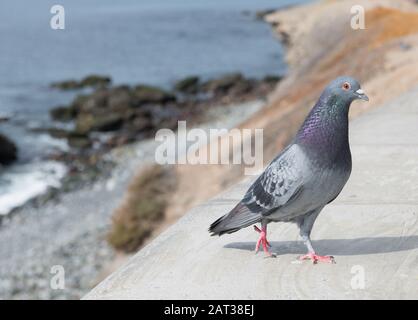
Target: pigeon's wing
280	183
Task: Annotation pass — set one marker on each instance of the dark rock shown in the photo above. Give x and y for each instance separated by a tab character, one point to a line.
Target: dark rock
89	81
8	150
4	118
66	85
132	113
164	117
95	80
108	122
140	124
188	85
93	102
79	141
63	114
242	87
79	101
272	78
84	123
119	140
223	84
119	98
260	15
104	122
144	94
58	133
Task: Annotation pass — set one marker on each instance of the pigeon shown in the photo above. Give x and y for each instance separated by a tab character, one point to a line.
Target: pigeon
306	176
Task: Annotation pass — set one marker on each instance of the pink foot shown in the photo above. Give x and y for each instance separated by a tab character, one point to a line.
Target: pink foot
315	258
263	241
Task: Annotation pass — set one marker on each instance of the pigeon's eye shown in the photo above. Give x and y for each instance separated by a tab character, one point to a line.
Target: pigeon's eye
346	86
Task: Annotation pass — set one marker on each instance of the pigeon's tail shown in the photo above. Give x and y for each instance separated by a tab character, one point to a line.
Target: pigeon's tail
238	218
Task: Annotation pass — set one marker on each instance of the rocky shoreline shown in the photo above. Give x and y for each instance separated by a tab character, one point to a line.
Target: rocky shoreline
131	113
108	117
112	116
102	170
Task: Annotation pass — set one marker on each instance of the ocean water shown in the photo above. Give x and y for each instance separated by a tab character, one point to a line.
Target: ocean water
133	41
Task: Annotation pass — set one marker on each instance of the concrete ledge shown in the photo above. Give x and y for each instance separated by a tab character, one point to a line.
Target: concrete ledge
371	229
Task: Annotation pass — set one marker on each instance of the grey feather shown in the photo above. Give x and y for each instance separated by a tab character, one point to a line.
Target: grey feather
279	182
239	217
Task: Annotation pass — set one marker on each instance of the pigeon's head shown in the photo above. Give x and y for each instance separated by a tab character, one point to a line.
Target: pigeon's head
347	89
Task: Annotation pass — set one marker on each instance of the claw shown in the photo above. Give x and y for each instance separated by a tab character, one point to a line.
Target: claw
317	258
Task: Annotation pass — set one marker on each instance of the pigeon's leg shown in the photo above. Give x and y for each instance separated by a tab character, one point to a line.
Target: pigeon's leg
263	239
311	255
305	225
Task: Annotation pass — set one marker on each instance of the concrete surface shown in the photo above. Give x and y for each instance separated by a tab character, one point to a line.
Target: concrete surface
371	229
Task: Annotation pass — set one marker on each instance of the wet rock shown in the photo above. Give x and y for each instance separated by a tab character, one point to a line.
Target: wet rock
8	150
97	100
223	84
78	141
79	102
94	81
57	133
260	15
104	122
140	124
144	94
189	85
119	140
119	98
132	113
63	114
241	87
272	78
84	123
108	122
66	85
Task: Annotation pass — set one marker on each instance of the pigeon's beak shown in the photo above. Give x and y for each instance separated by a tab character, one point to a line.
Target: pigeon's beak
361	95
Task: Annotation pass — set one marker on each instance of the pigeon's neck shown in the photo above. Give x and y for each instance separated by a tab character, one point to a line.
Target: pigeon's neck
325	131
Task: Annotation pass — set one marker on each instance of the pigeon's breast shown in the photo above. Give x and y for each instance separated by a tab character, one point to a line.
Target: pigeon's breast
321	185
327	183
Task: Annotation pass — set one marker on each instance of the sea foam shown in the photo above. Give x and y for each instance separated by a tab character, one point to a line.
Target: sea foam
22	182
